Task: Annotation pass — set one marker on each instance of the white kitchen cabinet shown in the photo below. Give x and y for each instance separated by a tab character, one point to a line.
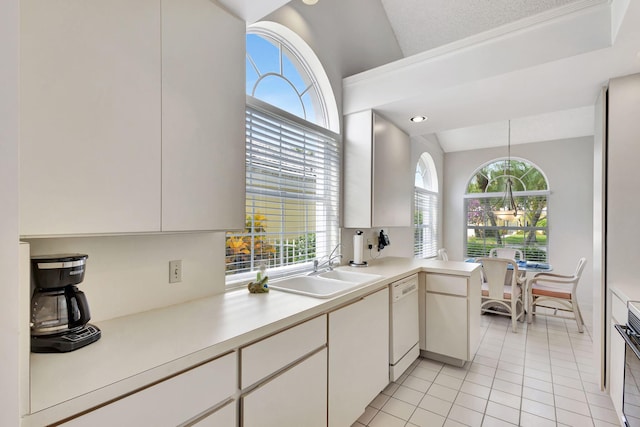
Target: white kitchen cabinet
132	117
297	397
283	377
221	417
452	317
378	175
617	359
90	117
174	401
203	115
358	356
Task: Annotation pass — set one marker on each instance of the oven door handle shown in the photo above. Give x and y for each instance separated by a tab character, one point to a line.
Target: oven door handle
623	331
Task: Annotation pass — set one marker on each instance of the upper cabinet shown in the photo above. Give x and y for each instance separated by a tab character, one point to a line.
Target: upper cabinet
378	177
132	117
90	117
203	108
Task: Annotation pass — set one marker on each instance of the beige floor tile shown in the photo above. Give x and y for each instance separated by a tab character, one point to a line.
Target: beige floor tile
466	416
436	405
398	408
382	419
489	421
539	409
442	392
368	415
379	401
424	418
531	420
506	399
505	413
572	419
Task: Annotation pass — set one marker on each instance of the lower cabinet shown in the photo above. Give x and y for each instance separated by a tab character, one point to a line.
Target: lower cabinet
452	317
283	378
297	397
617	359
193	395
358	357
221	417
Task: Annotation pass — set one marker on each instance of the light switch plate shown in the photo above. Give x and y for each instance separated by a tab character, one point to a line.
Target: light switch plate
175	271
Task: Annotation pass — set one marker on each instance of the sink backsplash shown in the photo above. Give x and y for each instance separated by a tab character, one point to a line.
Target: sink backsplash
130	274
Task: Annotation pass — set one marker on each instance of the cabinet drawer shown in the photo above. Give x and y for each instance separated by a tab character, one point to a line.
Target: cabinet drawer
265	357
619	311
442	283
170	402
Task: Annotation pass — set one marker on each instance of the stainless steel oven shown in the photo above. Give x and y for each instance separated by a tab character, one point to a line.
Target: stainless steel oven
631	394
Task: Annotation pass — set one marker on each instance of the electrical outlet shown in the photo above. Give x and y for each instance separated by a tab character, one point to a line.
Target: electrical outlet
175	271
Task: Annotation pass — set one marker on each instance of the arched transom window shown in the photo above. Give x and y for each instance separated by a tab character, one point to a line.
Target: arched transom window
292	159
426	206
487	227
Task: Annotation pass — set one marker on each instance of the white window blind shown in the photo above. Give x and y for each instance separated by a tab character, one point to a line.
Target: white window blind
425	223
292	194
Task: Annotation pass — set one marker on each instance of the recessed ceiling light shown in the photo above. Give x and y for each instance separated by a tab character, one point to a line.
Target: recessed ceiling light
418	119
310	2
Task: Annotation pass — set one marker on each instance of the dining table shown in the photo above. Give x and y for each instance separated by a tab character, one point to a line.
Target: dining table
527	271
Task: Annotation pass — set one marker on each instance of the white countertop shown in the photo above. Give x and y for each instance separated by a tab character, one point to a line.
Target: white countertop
626	291
137	350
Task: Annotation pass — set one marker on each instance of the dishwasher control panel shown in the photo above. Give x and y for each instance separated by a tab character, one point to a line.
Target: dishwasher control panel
404	287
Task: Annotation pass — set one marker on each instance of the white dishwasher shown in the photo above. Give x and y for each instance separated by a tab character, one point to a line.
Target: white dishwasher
404	325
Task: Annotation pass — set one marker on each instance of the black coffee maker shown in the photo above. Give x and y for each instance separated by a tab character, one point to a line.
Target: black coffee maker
59	310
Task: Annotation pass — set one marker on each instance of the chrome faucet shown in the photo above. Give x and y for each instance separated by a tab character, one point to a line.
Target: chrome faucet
329	263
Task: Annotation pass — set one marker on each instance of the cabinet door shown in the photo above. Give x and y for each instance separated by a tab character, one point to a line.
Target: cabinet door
446	325
392	175
297	397
616	377
358	357
223	417
90	117
378	182
170	402
203	116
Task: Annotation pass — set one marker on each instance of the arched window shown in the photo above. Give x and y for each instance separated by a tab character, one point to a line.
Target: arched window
488	228
292	158
426	205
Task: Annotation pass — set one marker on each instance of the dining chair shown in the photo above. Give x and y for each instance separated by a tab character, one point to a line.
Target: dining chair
443	255
498	297
506	253
556	292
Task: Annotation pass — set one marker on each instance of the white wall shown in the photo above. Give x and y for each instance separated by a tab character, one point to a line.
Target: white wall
129	274
9	140
568	165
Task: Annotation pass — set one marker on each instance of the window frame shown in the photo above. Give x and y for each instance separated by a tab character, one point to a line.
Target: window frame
426	189
499	195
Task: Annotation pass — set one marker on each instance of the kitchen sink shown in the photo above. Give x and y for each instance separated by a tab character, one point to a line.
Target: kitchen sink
350	276
324	285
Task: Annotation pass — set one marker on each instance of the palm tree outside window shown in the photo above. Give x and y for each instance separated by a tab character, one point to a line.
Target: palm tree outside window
528	232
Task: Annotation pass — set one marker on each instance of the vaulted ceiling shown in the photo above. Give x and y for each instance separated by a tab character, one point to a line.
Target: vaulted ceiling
471	65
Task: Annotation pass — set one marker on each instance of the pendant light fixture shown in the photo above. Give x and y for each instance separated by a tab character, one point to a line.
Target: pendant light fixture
507	208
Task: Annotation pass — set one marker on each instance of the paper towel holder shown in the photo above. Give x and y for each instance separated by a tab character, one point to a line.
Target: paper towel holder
358	244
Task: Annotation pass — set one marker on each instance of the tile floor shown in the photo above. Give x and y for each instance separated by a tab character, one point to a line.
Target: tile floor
540	376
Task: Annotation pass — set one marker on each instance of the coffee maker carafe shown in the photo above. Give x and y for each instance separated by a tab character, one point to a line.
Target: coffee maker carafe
59	310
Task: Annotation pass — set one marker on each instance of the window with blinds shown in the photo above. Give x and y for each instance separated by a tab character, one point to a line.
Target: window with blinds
292	194
487	228
528	232
425	219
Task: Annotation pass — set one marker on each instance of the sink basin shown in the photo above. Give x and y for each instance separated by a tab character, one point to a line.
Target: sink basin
322	286
350	276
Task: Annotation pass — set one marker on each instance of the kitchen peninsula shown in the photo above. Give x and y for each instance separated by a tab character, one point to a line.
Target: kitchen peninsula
142	352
